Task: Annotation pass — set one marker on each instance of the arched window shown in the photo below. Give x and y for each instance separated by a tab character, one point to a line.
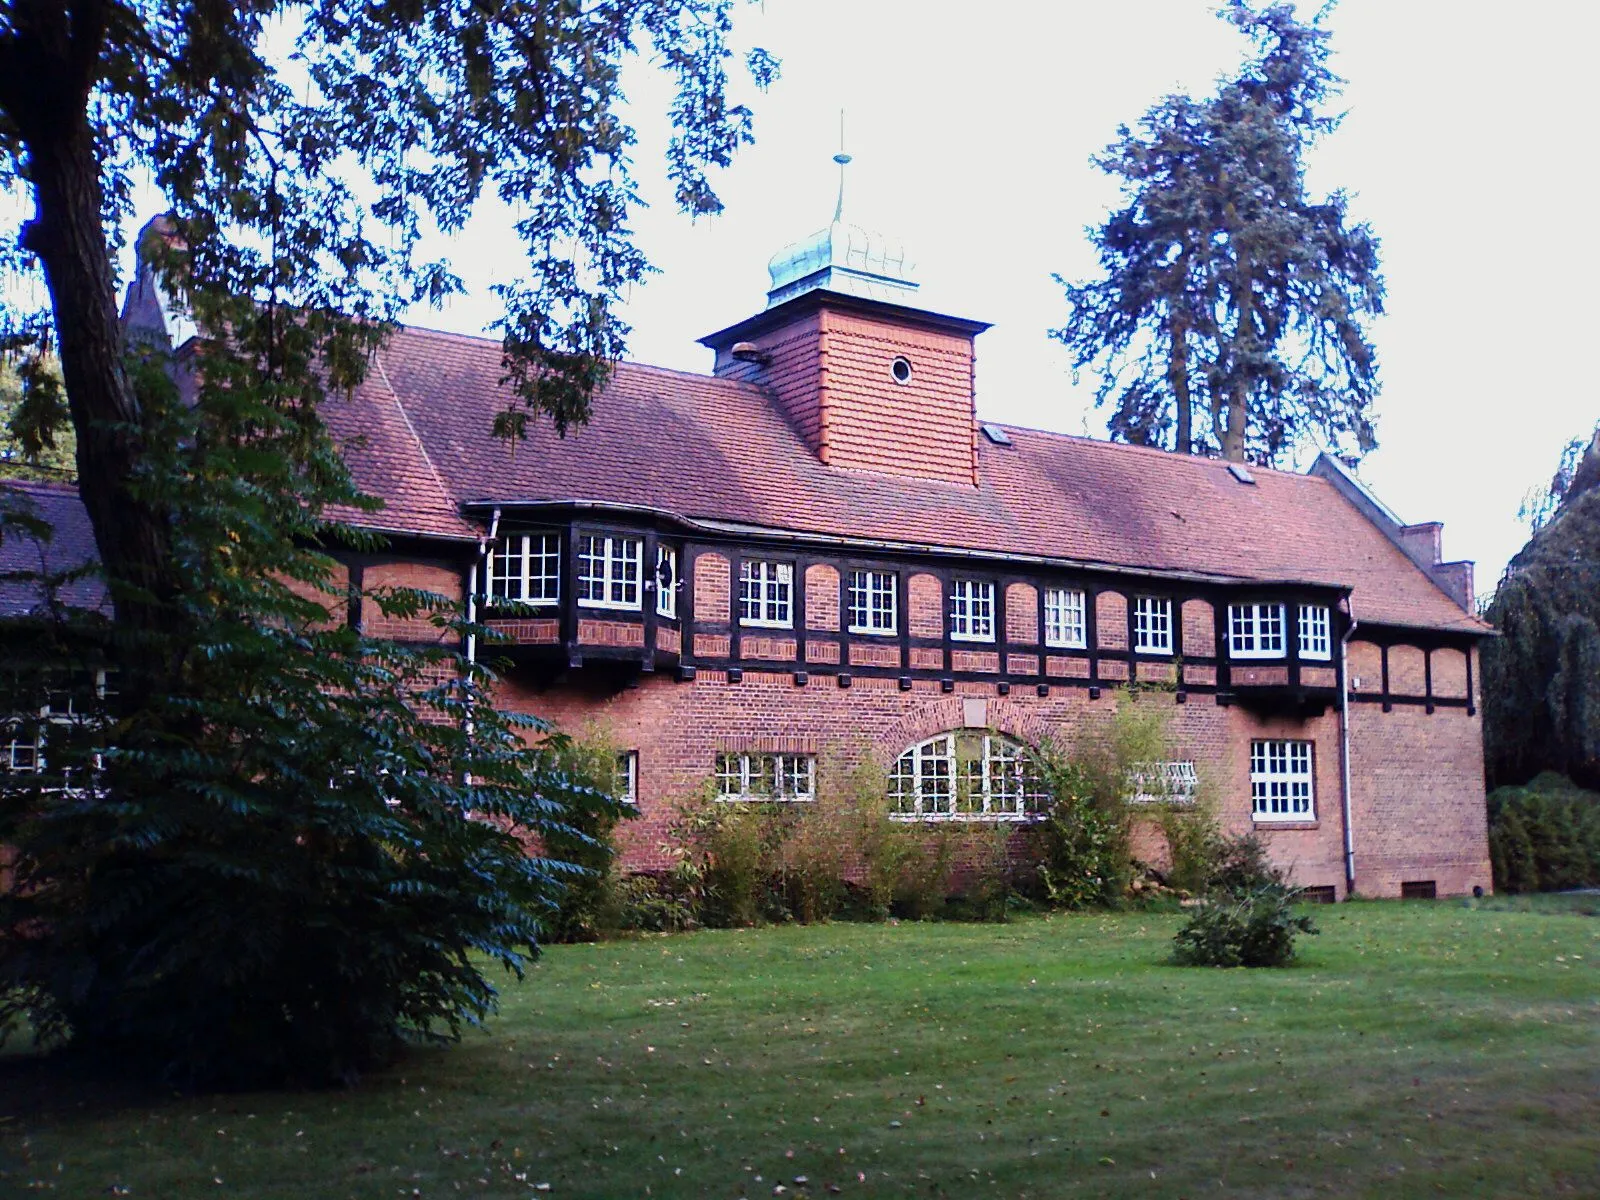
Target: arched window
966	775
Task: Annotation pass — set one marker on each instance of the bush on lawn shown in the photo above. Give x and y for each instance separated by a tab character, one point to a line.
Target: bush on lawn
585	838
1544	836
1251	928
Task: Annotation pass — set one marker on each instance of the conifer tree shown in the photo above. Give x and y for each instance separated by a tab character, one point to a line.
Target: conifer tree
1230	315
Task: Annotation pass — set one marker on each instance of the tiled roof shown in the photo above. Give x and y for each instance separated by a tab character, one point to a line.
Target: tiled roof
718	449
70	546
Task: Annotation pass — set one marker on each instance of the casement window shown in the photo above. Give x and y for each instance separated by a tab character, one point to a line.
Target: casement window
1316	636
1064	621
874	602
971	610
1280	781
965	776
759	777
609	571
1255	631
628	778
19	751
1163	783
1152	625
525	568
766	593
666	582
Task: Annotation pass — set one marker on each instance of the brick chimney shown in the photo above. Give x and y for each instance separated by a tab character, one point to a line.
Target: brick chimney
870	381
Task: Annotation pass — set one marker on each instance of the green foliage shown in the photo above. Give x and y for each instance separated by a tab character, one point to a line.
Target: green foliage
1226	290
584	839
278	849
1250	928
1083	840
1544	836
36	436
1541	676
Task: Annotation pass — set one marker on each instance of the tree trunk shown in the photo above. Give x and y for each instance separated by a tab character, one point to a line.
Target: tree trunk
1233	433
69	238
1178	378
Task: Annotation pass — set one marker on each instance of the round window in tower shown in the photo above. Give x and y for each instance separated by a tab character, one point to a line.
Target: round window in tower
900	370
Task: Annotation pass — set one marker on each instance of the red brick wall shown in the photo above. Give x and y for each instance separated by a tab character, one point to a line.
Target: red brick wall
869	422
442	580
1022	613
793	374
1111	616
822	598
927	606
1418	790
711	581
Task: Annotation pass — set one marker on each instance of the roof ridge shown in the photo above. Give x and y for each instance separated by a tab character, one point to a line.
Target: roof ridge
444	491
47	485
1154	451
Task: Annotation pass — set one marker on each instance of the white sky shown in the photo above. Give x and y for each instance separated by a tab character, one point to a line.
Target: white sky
1467	146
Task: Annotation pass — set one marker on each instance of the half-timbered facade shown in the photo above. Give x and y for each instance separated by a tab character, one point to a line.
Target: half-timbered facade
817	552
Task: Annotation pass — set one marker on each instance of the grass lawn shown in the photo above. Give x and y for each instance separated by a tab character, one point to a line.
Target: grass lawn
1420	1049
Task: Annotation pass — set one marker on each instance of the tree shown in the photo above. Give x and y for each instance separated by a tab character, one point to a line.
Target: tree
278	849
1225	290
36	440
1541	676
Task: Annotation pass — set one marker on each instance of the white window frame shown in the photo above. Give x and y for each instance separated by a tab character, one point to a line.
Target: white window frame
789	778
971	609
528	565
628	778
19	754
1152	625
1316	632
1175	782
1282	781
1257	631
766	594
666	581
875	596
934	781
620	558
1066	619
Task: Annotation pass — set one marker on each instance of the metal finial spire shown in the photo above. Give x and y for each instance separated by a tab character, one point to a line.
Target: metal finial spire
843	160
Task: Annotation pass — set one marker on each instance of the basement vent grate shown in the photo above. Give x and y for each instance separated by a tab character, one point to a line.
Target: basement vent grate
1238	471
1319	895
1419	889
996	435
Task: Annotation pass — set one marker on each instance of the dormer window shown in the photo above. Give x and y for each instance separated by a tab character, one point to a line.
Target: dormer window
1316	637
1255	631
1152	625
971	610
524	568
610	571
766	593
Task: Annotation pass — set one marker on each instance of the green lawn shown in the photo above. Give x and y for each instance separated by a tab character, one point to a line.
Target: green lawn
1426	1049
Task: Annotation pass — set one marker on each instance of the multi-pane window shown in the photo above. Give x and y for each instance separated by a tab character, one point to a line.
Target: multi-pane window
1280	781
1152	625
666	582
972	610
1316	638
1163	783
766	593
1064	621
755	776
1255	630
874	602
628	778
965	776
526	568
609	570
19	751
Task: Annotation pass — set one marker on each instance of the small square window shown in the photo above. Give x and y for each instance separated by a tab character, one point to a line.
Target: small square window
1316	637
766	593
1064	618
1152	625
874	602
1255	631
971	610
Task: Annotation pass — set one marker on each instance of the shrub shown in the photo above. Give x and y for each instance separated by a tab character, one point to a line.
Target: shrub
647	904
584	838
1254	928
1544	836
726	858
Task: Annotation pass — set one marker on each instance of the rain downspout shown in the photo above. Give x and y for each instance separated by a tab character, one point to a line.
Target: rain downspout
1344	749
472	584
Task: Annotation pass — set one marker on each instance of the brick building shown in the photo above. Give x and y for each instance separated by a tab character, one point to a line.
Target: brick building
817	552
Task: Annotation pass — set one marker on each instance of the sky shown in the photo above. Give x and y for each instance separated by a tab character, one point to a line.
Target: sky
1467	146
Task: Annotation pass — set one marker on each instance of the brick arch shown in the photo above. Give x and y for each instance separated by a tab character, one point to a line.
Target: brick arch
949	713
